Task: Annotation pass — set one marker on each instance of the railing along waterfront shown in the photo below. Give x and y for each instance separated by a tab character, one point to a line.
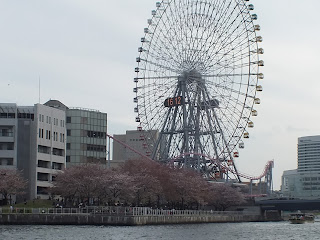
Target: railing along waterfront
117	211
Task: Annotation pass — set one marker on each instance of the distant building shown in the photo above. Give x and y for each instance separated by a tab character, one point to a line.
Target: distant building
136	140
32	139
290	183
86	134
8	135
304	182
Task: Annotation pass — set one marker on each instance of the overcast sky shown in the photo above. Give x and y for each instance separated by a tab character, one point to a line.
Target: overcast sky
84	54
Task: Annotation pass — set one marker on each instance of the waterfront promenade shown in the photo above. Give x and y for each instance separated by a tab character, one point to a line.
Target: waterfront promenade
122	216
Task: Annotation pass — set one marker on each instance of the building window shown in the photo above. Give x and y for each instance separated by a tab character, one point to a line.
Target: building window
68	132
68	146
43	149
68	159
57	152
11	115
43	177
63	137
43	164
6	131
68	119
3	115
6	161
39	132
57	166
6	146
42	190
47	134
47	119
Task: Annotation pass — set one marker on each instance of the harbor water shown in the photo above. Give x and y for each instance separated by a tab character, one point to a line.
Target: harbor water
222	231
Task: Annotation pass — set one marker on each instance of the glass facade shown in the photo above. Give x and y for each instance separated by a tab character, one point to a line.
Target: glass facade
86	136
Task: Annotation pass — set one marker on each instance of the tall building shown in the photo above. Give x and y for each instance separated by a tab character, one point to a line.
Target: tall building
86	134
304	182
33	140
309	154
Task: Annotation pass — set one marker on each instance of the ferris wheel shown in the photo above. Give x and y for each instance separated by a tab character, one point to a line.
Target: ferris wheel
196	83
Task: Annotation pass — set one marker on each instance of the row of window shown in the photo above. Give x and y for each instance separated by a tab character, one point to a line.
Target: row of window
56	136
53	165
48	150
7	115
48	120
307	179
96	148
86	159
95	134
311	188
90	147
136	140
311	183
87	121
91	134
20	115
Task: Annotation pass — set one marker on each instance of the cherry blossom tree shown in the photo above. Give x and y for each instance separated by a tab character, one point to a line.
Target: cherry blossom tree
143	174
11	183
118	186
223	196
80	182
144	182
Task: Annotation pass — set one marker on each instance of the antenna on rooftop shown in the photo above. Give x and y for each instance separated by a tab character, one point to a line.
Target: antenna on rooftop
39	89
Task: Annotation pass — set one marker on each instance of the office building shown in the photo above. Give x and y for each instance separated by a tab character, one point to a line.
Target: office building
304	182
33	140
86	134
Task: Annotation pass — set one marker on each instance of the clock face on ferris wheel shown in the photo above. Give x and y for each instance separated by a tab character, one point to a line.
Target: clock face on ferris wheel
197	80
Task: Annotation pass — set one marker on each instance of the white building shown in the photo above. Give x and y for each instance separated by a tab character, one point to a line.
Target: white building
33	139
304	182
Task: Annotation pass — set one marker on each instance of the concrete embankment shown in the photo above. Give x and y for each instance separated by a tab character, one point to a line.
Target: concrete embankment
87	219
132	218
